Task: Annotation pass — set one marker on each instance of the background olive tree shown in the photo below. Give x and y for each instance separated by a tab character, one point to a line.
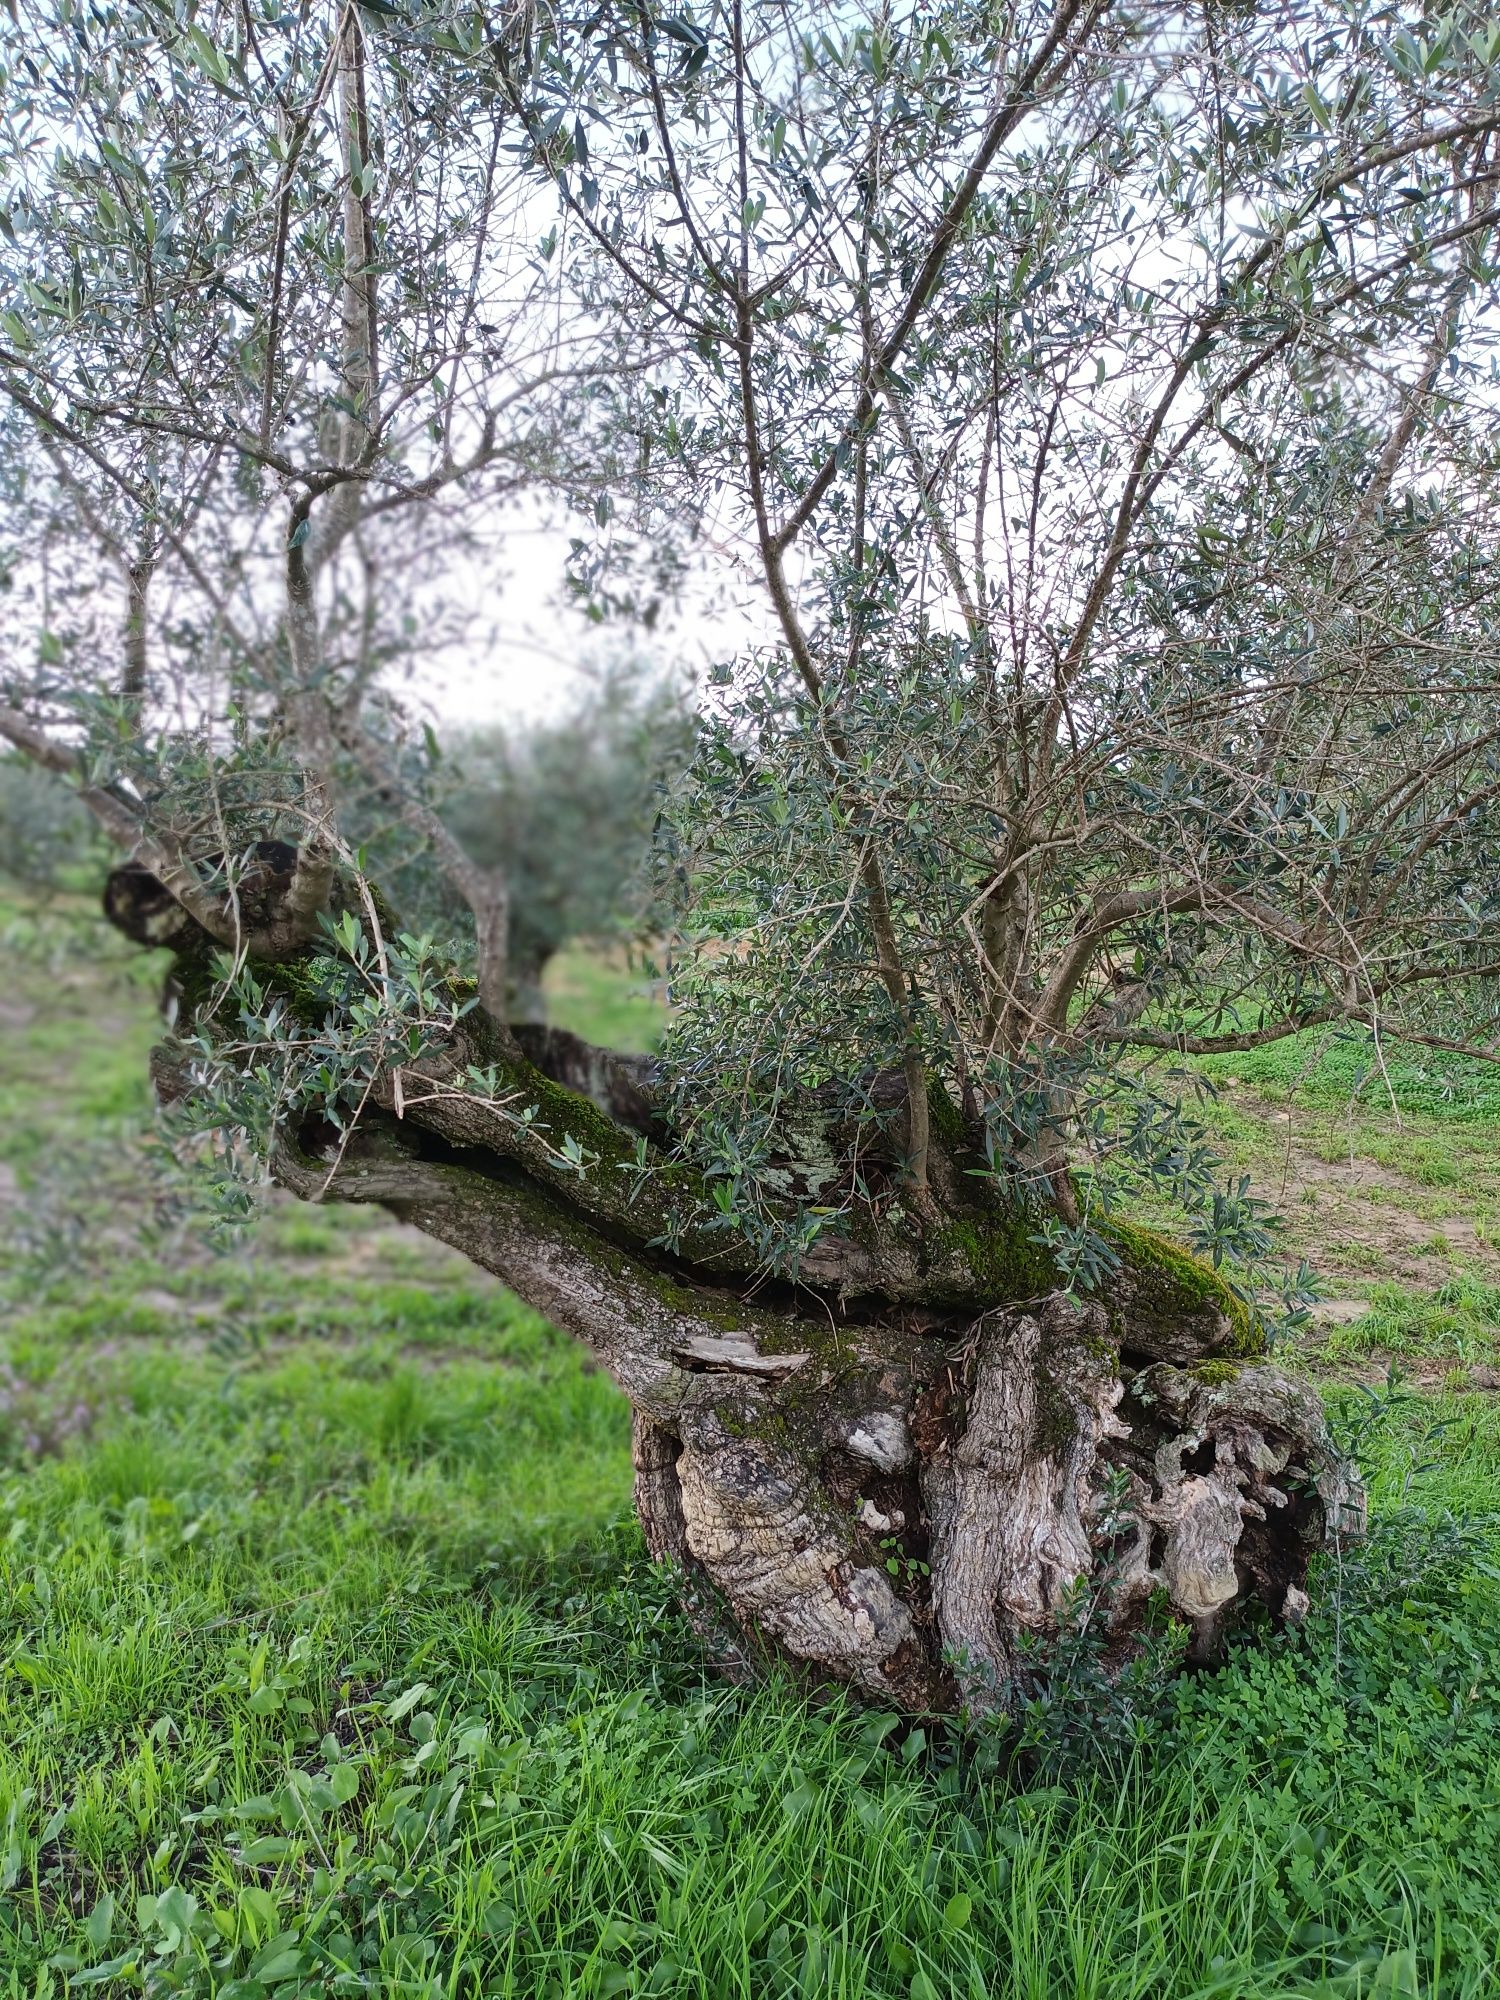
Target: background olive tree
1100	398
565	806
48	841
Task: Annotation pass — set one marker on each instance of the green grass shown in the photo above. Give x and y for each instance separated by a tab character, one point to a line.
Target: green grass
326	1670
1460	1321
1339	1067
330	1664
75	1069
599	998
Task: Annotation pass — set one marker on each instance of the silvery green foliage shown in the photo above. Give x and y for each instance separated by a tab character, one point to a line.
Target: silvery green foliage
202	373
1105	398
1102	396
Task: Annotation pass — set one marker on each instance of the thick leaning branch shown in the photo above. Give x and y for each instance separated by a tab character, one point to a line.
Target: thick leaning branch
635	1193
586	1128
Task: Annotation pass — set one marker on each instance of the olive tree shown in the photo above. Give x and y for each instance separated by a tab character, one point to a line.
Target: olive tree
1099	396
47	840
564	804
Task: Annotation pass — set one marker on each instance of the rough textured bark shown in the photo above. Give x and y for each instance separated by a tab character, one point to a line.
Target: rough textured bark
895	1468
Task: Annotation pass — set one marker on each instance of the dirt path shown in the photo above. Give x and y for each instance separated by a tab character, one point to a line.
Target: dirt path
1359	1219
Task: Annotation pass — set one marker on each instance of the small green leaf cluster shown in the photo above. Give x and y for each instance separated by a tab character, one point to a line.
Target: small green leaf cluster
318	1034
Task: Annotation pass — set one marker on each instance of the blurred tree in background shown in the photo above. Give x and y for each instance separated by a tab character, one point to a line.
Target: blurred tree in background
48	840
566	806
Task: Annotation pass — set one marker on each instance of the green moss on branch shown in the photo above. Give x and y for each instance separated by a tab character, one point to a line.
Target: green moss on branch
1170	1283
998	1254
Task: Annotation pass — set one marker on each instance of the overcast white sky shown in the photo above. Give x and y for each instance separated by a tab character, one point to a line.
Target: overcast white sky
539	647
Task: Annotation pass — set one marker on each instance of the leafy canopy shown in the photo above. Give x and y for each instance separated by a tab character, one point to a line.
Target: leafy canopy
1101	395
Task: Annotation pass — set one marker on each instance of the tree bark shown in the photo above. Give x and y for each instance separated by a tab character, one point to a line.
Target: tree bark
897	1469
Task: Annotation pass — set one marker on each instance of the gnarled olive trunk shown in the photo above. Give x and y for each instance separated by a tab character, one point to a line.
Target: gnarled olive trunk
898	1505
895	1469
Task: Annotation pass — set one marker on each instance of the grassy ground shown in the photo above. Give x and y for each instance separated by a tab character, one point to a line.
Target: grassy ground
330	1663
1386	1160
597	997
